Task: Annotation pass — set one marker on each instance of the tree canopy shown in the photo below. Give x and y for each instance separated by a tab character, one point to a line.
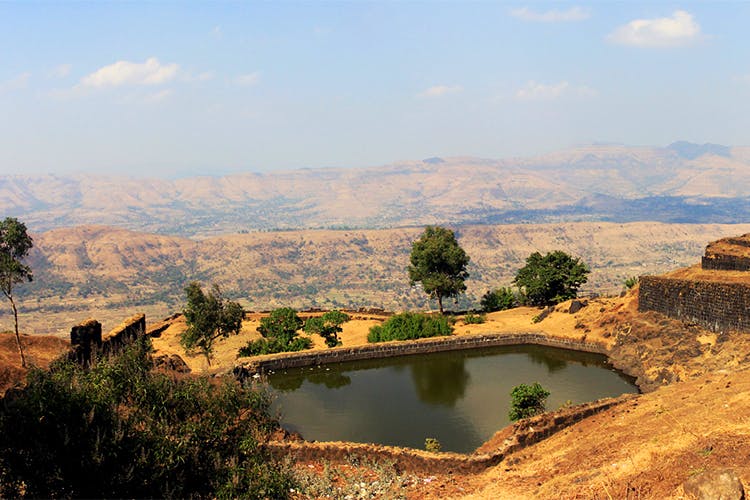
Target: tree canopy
15	244
282	324
209	316
552	278
327	326
439	264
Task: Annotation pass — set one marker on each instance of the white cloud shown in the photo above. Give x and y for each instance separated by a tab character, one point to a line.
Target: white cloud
676	31
151	72
551	16
16	83
534	91
440	90
248	79
60	71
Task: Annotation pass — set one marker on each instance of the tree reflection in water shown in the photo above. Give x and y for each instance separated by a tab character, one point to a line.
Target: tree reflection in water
442	381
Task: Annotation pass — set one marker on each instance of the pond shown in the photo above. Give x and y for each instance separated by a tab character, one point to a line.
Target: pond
461	398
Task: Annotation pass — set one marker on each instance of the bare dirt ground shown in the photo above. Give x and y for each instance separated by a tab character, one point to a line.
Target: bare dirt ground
40	350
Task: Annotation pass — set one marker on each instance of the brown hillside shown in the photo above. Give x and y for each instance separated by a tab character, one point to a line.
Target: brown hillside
106	272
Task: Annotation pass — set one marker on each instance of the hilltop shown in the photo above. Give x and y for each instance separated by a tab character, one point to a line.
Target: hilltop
109	272
683	182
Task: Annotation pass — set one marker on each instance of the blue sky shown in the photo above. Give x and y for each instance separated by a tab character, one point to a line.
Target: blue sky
173	88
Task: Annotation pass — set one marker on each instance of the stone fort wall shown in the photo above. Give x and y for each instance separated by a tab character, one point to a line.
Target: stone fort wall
719	307
87	340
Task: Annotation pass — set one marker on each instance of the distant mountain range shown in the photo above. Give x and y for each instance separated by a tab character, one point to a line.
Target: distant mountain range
682	182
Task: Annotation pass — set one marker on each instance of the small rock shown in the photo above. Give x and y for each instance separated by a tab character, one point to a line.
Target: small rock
577	305
716	484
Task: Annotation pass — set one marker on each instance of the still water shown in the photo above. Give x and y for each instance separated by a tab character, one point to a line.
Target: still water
460	397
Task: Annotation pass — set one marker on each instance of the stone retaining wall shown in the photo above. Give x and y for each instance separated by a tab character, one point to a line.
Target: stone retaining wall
514	437
719	262
87	339
124	333
283	361
717	306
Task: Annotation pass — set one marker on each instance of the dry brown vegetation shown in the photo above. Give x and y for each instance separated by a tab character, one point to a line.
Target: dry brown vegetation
107	273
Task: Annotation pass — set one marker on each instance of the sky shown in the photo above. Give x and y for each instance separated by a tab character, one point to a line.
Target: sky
178	88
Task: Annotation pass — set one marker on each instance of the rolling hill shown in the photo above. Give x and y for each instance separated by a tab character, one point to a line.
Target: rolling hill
111	272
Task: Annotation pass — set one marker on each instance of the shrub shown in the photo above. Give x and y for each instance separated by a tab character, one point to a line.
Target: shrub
432	445
272	346
498	300
474	319
120	430
407	326
527	401
328	326
631	282
279	331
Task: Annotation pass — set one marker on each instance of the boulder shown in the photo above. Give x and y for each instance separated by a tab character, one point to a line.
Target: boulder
715	484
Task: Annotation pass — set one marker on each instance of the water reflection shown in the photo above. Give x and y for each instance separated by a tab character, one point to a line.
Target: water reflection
553	364
440	382
288	382
461	398
331	379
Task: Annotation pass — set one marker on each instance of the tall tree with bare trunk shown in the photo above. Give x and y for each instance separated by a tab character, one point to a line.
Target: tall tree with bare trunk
15	244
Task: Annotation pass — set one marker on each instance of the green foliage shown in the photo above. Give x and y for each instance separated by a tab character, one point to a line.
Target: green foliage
328	326
631	282
552	278
499	299
282	324
209	317
432	445
474	319
120	430
527	401
439	263
407	326
272	346
15	244
279	331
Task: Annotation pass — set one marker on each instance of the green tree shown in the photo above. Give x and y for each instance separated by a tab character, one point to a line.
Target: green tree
281	325
498	300
527	401
439	263
209	316
552	278
327	326
15	244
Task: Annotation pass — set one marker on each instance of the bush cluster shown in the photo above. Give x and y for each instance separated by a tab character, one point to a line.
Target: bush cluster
474	319
527	401
499	299
273	345
407	326
279	331
120	430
